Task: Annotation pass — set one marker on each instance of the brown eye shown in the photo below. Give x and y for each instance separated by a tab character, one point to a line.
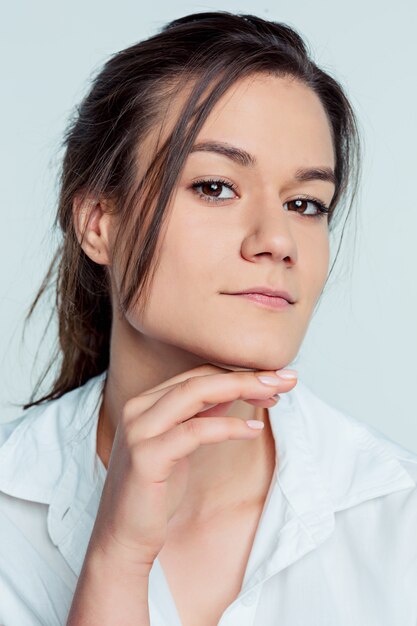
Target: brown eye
211	190
300	205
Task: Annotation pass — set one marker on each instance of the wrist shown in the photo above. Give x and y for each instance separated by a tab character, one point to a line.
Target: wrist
113	556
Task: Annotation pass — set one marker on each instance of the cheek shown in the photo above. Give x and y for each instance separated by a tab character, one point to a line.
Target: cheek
316	265
183	283
187	264
192	255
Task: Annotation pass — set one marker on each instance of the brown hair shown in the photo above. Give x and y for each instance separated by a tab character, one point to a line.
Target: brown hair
125	104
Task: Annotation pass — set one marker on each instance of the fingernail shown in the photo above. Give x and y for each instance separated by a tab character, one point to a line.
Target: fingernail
268	380
255	424
287	374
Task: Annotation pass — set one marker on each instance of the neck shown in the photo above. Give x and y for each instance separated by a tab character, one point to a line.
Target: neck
232	473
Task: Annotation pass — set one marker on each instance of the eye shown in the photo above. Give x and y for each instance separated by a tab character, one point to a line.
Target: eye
300	207
211	188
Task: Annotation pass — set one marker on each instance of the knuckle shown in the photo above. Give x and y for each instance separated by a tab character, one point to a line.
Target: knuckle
192	427
208	368
134	405
129	435
186	386
136	431
129	410
140	458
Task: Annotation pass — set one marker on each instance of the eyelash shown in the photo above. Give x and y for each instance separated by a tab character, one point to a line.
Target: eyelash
323	209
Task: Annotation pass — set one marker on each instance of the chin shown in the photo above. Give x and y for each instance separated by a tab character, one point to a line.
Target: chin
247	356
256	367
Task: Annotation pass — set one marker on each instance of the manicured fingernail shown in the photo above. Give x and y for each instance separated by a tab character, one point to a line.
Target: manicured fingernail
255	424
268	380
287	374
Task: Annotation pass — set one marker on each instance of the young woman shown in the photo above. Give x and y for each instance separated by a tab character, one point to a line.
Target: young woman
178	474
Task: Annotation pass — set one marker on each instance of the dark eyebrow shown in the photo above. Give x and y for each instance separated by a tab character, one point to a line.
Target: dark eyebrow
241	157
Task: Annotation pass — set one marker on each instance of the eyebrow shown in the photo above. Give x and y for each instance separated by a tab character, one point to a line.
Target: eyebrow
241	157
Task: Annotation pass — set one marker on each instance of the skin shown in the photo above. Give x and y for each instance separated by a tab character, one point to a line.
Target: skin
249	238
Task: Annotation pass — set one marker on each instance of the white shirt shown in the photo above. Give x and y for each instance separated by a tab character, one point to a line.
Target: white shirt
336	544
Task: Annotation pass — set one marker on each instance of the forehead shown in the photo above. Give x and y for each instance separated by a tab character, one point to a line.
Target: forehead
278	119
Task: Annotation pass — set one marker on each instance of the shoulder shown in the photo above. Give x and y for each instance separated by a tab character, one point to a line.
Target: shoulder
36	584
6	428
35	448
50	420
369	482
405	456
322	415
356	460
45	458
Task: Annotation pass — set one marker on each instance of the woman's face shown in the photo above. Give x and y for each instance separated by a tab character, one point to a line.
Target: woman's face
247	231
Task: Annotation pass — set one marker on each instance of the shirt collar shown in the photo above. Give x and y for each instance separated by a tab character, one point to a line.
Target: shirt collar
50	458
327	461
344	462
39	450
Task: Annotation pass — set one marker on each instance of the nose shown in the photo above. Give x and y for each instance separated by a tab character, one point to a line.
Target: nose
270	234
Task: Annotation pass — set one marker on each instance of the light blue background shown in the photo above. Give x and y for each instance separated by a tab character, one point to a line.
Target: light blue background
359	353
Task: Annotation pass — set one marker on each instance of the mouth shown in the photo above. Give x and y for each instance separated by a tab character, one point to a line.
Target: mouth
266	291
264	300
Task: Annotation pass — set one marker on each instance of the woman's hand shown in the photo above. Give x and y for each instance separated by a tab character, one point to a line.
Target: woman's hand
148	468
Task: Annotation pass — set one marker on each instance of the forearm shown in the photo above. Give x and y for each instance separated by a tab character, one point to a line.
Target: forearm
109	592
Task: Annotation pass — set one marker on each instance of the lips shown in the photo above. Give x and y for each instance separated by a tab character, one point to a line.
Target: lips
267	291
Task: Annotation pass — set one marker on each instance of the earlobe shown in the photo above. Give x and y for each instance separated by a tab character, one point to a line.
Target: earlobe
91	224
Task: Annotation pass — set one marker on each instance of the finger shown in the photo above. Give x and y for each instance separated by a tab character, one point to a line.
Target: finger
156	456
194	395
201	370
146	399
140	403
221	409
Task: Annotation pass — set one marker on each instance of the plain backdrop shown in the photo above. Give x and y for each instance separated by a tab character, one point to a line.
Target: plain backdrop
359	351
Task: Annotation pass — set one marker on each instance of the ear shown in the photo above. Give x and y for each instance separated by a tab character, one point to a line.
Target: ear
92	224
